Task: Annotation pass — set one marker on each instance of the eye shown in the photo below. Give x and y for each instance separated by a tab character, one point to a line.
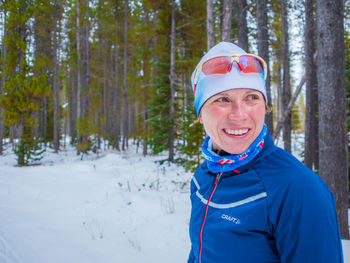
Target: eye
253	97
222	99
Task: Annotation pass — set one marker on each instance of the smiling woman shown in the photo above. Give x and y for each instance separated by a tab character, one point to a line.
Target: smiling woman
252	201
233	119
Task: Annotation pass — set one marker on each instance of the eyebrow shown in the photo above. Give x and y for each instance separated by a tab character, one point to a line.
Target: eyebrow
251	90
246	92
222	94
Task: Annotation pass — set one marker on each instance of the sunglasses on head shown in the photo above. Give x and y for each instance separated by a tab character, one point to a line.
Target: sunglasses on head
222	64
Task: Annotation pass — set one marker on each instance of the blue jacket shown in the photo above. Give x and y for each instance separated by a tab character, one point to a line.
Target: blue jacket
274	209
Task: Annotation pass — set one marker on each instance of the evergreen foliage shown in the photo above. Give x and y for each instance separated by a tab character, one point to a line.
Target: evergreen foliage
27	97
193	136
159	106
296	125
23	91
276	45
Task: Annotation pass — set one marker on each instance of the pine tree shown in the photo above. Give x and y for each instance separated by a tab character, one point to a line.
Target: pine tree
125	78
194	36
226	32
286	89
2	81
242	24
143	59
263	51
210	25
276	70
71	68
311	122
24	90
84	124
56	74
159	106
172	80
42	27
333	148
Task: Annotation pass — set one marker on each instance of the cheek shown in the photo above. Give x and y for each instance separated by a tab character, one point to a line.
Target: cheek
258	114
210	117
214	111
211	114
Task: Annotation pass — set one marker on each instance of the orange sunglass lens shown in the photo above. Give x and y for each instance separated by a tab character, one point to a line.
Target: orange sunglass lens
218	65
249	64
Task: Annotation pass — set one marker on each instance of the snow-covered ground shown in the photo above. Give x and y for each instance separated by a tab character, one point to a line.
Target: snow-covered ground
115	207
119	207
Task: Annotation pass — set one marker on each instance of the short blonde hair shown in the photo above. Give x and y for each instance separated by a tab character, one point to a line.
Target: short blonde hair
268	108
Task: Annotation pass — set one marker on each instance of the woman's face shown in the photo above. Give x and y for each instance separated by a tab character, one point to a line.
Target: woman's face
233	119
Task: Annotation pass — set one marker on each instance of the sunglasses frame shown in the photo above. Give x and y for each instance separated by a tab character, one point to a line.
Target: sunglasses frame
233	58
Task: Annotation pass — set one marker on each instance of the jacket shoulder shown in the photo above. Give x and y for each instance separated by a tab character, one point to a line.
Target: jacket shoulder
280	166
296	199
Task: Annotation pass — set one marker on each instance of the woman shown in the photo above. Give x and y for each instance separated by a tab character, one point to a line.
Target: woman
252	202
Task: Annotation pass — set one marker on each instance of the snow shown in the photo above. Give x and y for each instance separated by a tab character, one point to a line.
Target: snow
111	207
114	208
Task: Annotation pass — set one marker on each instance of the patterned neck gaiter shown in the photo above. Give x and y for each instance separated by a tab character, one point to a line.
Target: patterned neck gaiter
217	163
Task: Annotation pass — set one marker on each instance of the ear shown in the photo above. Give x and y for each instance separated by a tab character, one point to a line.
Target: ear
200	118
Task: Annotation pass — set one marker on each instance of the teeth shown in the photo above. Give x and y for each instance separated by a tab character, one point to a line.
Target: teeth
237	132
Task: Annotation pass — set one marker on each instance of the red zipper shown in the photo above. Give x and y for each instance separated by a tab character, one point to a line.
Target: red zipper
205	216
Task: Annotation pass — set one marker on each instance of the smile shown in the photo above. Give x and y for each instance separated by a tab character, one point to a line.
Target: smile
236	131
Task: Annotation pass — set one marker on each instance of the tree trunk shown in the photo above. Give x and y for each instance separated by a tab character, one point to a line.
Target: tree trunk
56	84
146	68
73	101
278	76
333	151
145	128
45	118
106	93
43	36
79	84
116	100
227	21
210	25
242	24
83	71
2	86
66	111
99	81
286	94
311	120
289	109
125	80
86	67
263	51
172	83
132	116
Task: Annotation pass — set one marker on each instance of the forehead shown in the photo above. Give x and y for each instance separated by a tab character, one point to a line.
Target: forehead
239	91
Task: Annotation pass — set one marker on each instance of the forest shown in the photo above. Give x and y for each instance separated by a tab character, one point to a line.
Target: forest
100	74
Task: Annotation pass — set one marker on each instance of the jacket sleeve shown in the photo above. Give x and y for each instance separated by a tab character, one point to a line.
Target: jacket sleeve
191	257
306	224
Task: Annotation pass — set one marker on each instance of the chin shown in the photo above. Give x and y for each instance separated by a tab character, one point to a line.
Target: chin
235	150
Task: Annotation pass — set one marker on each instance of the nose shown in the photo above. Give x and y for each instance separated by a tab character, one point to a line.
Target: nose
237	111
